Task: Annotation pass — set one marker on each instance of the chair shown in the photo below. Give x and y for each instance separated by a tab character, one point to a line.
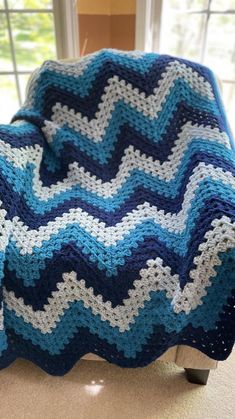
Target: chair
196	363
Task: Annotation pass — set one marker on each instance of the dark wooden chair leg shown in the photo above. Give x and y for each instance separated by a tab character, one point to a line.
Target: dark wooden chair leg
197	376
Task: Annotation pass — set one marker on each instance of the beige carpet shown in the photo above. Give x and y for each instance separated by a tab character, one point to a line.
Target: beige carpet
97	390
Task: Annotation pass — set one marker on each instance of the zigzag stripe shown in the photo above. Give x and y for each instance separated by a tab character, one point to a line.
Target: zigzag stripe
201	146
108	259
21	134
155	278
69	257
87	70
136	180
129	341
96	128
79	67
107	65
113	213
27	239
119	121
19	157
53	168
121	117
78	316
117	219
83	342
27	267
131	160
165	189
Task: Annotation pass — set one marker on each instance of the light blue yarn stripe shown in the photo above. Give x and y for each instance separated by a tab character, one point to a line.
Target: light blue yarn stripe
123	113
82	84
19	130
3	341
2	260
28	266
18	177
131	341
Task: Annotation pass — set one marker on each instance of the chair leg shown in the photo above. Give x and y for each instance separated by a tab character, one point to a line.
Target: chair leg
196	376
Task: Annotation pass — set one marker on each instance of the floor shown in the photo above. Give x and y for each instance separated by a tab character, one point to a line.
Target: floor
97	390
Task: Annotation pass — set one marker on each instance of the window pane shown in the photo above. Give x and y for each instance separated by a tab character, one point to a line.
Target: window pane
29	4
5	52
34	39
8	98
222	4
1	4
229	102
182	35
23	80
187	4
220	51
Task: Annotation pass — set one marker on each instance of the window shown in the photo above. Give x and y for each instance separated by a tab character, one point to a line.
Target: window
31	31
204	31
26	38
199	30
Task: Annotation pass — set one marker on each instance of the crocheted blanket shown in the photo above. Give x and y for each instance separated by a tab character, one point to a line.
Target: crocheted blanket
117	188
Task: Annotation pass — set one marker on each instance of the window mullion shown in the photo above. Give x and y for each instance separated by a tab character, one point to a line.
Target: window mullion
205	32
13	52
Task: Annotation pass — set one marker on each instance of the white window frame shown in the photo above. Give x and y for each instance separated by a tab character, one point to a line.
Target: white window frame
66	34
148	26
66	28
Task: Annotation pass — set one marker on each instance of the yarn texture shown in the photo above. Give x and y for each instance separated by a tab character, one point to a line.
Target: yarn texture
117	213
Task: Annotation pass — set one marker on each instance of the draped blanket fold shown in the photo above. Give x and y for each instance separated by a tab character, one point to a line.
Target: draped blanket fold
117	209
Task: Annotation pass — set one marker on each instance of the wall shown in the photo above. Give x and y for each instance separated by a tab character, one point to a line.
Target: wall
106	24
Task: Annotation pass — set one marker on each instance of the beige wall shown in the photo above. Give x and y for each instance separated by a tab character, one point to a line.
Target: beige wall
106	7
106	24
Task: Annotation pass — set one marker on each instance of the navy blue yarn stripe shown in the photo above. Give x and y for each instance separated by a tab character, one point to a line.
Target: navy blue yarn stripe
108	70
21	138
127	136
84	342
139	196
70	257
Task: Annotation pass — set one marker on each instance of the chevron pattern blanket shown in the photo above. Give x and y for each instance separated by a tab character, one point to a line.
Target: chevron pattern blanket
117	189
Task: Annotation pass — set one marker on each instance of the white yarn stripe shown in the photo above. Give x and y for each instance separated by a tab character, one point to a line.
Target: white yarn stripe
1	317
117	90
74	68
19	157
5	226
26	240
176	70
155	278
71	69
77	67
132	158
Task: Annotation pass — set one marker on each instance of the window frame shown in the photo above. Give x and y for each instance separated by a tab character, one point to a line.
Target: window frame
66	34
149	30
66	28
148	25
